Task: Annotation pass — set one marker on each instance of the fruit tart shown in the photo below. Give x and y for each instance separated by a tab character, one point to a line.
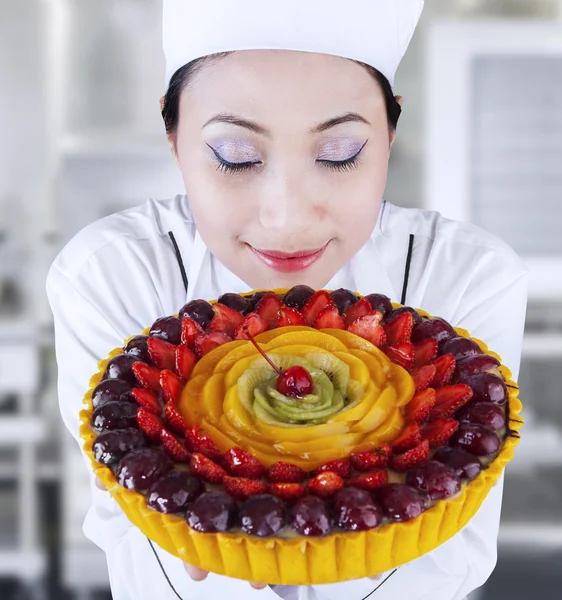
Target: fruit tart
300	437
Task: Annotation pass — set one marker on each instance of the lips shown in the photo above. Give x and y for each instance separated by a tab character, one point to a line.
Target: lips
289	262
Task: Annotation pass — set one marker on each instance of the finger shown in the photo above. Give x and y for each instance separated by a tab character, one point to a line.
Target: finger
258	586
100	485
195	573
375	577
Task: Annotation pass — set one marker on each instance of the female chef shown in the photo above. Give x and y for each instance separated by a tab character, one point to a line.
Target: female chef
281	117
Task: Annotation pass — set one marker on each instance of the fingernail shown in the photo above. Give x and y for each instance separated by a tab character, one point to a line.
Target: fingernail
258	586
196	573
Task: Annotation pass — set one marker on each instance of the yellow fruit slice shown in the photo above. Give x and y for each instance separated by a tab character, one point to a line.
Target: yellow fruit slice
386	432
238	415
403	383
267	336
357	369
378	412
351	340
379	370
299	433
307	337
189	404
206	364
358	411
213	397
302	449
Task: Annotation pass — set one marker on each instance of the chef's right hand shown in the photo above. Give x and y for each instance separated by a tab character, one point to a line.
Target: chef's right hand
195	573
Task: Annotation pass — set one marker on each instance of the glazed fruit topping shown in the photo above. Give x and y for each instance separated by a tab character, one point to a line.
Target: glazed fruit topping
206	469
110	390
329	318
140	469
371	459
445	368
476	439
173	447
341	467
402	354
315	305
111	446
357	310
438	431
190	331
466	465
343	299
263	515
483	413
242	487
226	319
197	441
174	492
476	364
399	329
400	502
252	325
198	310
287	491
212	512
171	386
389	316
121	367
209	341
148	377
460	347
174	419
168	329
423	376
297	296
486	387
162	353
138	347
115	415
435	328
241	463
369	328
290	317
147	399
402	462
425	352
150	424
380	302
268	309
420	406
355	510
235	302
284	472
310	516
438	480
371	480
325	484
449	399
409	437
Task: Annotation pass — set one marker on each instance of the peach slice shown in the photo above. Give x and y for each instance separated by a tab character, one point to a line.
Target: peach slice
307	338
206	365
378	412
268	336
213	397
300	433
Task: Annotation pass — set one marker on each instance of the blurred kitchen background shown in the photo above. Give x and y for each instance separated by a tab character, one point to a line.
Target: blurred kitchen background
81	137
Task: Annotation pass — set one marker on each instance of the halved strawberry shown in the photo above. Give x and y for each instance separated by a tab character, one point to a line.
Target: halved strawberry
148	377
241	463
226	319
420	406
284	472
190	330
370	481
402	354
399	329
361	308
287	491
173	447
268	309
315	305
325	484
185	360
171	386
371	459
289	316
402	462
408	438
148	400
209	341
252	324
162	353
425	351
174	419
329	318
243	488
423	376
449	399
340	466
206	469
197	441
445	365
369	328
149	423
438	432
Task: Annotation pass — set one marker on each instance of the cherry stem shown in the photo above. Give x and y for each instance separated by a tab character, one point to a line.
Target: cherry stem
260	350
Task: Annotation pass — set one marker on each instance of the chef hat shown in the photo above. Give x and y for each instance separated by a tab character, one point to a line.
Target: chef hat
376	32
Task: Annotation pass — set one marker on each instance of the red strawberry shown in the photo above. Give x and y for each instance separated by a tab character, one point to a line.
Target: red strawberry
420	406
402	462
325	484
190	330
423	376
329	318
171	386
449	399
173	448
242	488
402	354
185	360
408	438
209	341
438	432
371	459
252	324
315	305
370	481
148	400
241	463
162	353
174	418
369	328
226	319
268	309
197	441
340	466
148	377
149	423
289	316
284	472
425	351
445	365
399	329
360	309
206	469
287	491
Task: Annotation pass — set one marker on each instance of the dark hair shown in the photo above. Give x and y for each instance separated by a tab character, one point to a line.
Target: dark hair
183	76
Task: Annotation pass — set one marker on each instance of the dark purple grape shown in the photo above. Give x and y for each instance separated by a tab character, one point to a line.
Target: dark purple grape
235	301
297	296
174	492
111	446
389	316
400	502
121	367
263	515
460	347
355	510
476	439
435	328
465	464
140	469
381	303
254	299
343	299
115	415
212	512
476	364
486	387
438	480
138	348
310	516
198	310
110	390
168	329
483	413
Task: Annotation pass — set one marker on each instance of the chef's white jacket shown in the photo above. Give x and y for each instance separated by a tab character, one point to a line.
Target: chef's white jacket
121	273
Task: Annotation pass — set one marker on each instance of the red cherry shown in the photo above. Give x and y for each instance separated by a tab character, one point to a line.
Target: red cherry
295	381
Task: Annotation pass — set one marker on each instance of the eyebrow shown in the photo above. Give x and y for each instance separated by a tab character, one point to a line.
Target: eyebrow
255	128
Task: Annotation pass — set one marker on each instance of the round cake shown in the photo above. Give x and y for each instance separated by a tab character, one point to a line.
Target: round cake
300	437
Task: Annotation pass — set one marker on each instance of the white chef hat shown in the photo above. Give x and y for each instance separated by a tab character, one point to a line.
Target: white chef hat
376	32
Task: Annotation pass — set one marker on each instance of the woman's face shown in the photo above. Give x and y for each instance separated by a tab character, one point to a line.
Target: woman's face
284	156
